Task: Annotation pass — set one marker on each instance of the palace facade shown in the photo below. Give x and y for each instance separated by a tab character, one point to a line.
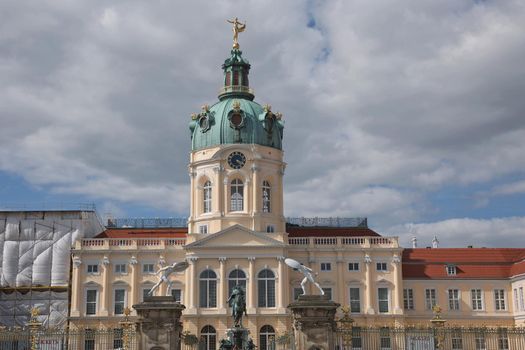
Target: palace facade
237	233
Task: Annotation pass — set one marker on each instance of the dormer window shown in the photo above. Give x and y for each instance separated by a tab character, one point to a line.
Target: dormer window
451	270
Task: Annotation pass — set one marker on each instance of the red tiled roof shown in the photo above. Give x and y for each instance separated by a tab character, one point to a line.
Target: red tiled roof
477	263
143	232
518	268
302	231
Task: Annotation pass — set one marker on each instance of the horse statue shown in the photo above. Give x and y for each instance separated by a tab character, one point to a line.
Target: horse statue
237	301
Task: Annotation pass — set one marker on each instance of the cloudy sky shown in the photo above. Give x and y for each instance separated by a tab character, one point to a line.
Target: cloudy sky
408	112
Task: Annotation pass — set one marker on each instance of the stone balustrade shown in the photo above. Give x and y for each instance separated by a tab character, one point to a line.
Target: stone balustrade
129	243
358	242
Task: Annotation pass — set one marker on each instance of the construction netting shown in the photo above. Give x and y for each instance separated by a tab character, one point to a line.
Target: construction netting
35	263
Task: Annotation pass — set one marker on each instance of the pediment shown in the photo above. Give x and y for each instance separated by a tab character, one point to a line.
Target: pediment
236	236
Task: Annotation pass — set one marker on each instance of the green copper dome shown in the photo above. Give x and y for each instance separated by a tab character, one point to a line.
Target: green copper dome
236	118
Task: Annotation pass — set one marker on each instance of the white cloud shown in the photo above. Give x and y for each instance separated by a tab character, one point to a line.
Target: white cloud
384	103
510	188
460	232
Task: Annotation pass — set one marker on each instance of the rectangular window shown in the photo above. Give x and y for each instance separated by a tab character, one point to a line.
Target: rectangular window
382	299
499	299
522	304
148	268
408	299
120	295
451	270
203	229
89	339
384	340
120	268
453	299
457	340
92	268
177	295
355	300
477	299
503	339
118	338
91	302
381	266
328	293
326	266
353	266
297	292
270	229
430	298
480	341
357	341
516	308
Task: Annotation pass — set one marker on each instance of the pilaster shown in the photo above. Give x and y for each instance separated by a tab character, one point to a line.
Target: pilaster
368	285
222	285
76	287
106	287
251	308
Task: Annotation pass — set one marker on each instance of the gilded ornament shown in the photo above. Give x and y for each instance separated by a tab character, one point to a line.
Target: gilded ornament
237	28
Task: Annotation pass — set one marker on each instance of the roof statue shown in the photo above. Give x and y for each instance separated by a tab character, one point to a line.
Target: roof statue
306	271
237	28
166	272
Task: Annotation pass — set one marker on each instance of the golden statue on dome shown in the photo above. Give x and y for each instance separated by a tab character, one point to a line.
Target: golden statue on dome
238	27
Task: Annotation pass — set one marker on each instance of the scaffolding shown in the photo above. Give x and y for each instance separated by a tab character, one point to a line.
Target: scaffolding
35	262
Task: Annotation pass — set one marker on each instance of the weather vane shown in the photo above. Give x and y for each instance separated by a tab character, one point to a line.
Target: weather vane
238	27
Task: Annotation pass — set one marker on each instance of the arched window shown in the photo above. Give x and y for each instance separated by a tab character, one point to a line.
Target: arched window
236	277
266	197
237	194
206	191
208	289
266	338
208	338
266	288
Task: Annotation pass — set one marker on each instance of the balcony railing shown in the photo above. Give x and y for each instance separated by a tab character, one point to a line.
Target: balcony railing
130	243
360	242
328	222
235	88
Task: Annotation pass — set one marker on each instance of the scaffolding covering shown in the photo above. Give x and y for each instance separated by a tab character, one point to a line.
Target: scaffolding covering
35	263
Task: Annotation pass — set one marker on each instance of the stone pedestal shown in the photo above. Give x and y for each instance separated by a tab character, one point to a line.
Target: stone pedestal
159	325
314	322
238	338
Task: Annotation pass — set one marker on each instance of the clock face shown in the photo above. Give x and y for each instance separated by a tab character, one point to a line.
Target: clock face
236	160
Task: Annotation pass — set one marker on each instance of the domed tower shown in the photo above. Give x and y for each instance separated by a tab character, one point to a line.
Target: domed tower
236	164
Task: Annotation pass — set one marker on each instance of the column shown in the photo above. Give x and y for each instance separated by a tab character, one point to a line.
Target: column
222	285
256	203
133	292
218	202
398	288
252	281
368	285
193	213
191	284
76	290
106	288
281	291
341	286
226	204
